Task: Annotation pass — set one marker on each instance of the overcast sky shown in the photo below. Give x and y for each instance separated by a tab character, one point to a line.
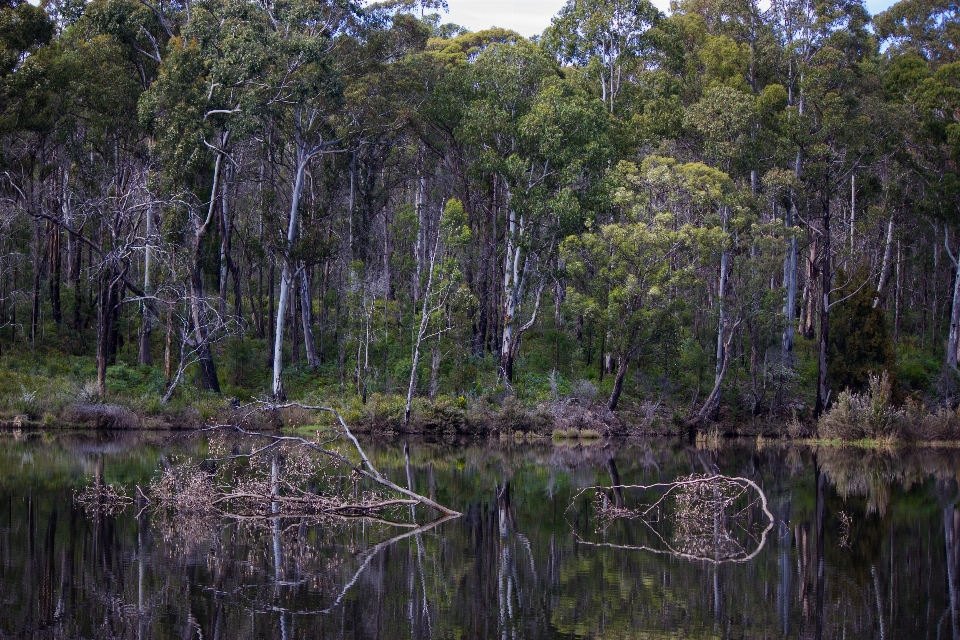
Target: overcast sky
531	17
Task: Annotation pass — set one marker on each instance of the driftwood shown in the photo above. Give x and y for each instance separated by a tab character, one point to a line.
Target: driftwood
365	468
279	479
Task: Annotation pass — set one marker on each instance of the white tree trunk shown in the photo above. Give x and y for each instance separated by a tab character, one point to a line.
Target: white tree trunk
286	278
512	283
885	268
422	329
306	318
721	299
790	284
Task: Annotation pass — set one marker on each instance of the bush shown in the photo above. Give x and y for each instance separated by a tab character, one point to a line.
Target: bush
856	416
101	416
923	425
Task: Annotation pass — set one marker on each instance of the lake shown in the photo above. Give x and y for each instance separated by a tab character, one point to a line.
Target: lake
862	544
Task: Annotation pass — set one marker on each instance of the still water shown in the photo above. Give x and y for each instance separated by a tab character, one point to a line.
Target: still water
862	545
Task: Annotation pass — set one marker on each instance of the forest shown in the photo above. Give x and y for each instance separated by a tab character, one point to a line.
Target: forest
737	210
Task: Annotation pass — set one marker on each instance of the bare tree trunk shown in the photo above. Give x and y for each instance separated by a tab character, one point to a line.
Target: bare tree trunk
823	394
226	231
35	297
810	293
103	335
721	300
208	369
512	283
286	278
711	407
108	303
146	328
896	300
424	323
435	370
622	364
790	284
420	249
954	334
167	355
885	268
54	270
306	319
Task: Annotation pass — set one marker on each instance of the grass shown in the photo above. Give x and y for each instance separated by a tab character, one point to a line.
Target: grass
576	434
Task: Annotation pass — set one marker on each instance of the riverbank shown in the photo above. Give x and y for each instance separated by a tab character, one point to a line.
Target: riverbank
54	400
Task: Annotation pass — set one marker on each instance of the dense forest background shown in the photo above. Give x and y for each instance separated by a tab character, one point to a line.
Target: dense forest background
725	212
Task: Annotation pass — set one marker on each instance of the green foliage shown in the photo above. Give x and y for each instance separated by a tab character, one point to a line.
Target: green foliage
860	343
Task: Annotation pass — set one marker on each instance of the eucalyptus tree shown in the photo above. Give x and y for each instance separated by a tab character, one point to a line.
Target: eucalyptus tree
443	276
929	29
631	275
838	129
201	94
924	76
540	136
305	83
609	39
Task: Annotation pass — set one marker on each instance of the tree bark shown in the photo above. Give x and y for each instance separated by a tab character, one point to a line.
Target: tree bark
306	319
953	337
824	343
721	300
146	328
286	277
622	364
790	284
208	369
512	283
711	407
882	283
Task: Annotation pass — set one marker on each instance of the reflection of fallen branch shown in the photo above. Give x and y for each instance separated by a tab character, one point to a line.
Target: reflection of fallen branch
374	550
102	498
367	557
700	517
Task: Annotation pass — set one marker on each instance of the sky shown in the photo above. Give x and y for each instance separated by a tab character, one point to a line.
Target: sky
531	17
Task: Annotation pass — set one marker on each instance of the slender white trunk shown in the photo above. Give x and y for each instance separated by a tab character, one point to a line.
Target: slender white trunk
286	278
424	323
225	230
952	339
885	268
512	282
419	250
721	299
147	328
954	334
790	275
790	304
306	318
853	209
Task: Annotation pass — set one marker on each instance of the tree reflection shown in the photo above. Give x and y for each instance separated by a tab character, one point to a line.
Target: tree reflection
510	567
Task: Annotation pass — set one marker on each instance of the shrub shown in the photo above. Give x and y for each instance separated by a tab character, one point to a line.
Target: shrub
101	416
855	416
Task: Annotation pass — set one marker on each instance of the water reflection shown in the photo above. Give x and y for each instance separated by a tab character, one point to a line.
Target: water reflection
864	544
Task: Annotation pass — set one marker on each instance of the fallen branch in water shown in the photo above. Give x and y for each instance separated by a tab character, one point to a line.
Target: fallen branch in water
365	468
281	476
